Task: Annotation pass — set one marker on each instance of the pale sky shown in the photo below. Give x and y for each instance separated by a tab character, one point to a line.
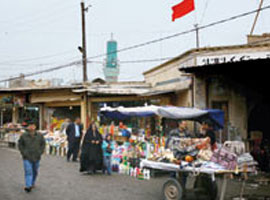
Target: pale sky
40	34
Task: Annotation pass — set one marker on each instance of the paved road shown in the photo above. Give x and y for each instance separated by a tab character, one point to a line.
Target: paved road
60	180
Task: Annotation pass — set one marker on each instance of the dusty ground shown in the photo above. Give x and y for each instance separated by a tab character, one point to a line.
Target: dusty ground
60	180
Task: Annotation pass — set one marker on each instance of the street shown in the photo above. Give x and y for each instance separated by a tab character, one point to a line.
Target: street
61	180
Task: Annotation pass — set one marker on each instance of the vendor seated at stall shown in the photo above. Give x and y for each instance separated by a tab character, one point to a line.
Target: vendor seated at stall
180	132
207	130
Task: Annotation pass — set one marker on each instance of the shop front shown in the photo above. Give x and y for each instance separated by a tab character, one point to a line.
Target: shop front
242	94
16	113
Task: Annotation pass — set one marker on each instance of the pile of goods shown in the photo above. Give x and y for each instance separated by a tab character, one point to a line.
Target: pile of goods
198	153
56	143
126	157
11	133
120	133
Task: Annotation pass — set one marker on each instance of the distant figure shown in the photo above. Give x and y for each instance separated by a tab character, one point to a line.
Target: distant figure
64	125
31	146
74	135
107	147
91	156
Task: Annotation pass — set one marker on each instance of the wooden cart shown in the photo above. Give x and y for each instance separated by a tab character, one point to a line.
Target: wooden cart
205	184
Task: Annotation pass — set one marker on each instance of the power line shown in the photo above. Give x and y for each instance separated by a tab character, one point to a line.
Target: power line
184	32
147	43
38	58
44	71
204	10
133	61
80	62
40	15
43	21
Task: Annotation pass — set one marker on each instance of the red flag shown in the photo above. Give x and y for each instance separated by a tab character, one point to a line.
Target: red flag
183	8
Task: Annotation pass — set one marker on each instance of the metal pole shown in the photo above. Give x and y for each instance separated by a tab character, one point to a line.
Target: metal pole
256	18
197	36
2	116
223	187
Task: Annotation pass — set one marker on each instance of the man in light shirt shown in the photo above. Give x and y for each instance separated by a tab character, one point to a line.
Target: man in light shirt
64	125
74	135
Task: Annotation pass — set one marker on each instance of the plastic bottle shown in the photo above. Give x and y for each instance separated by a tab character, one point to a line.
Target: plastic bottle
131	171
140	175
120	168
146	173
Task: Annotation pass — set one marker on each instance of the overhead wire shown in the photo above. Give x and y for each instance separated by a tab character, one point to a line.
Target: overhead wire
184	32
43	22
204	10
40	15
44	71
39	57
147	43
23	17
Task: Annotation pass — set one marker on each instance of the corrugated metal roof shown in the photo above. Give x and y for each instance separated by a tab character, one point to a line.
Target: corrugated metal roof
116	89
26	89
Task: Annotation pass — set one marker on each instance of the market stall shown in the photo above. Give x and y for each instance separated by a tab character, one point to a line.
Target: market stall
10	134
194	156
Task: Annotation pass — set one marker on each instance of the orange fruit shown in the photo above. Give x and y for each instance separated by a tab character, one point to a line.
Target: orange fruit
189	158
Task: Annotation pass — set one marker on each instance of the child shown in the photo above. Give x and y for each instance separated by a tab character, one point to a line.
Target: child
107	147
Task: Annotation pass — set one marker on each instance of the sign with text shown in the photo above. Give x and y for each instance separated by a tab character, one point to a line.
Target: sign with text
227	58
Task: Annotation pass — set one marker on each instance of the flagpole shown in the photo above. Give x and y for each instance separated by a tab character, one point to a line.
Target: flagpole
256	18
197	36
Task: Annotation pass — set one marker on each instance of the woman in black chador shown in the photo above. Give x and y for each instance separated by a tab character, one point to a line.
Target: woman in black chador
91	156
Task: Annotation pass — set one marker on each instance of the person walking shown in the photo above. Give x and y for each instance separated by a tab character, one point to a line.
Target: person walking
31	145
74	135
91	156
107	147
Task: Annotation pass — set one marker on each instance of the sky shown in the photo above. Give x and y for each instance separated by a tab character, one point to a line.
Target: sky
38	34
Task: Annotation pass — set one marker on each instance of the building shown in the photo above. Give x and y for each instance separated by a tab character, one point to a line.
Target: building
166	79
39	104
46	106
120	94
217	83
111	68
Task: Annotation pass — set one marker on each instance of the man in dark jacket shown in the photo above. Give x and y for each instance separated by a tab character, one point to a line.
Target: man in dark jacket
74	135
31	146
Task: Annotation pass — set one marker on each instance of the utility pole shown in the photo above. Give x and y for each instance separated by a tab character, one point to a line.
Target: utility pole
256	18
197	36
83	48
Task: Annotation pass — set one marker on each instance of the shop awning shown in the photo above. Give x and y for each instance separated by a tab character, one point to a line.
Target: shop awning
170	112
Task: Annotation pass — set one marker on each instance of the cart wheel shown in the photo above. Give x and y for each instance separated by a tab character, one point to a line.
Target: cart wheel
205	185
172	190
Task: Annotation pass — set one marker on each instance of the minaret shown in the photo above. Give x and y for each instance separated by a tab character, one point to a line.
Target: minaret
111	68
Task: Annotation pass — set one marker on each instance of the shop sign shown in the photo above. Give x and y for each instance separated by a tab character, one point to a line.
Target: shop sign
229	58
